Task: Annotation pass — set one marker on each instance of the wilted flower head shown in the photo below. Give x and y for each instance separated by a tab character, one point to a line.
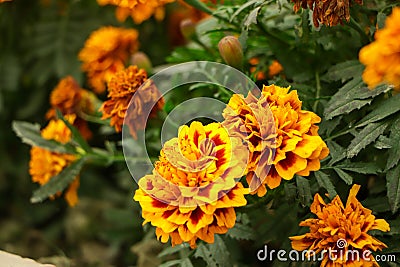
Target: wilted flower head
327	12
382	57
282	138
105	52
193	191
70	98
45	164
341	232
122	88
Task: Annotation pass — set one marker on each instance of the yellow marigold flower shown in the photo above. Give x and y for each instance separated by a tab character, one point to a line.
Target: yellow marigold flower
121	88
70	98
105	52
329	13
298	147
382	57
45	164
275	68
341	232
192	191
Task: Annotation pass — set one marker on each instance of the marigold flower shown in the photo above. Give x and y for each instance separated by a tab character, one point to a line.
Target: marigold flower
121	89
382	57
70	98
341	232
275	68
106	51
45	164
329	13
192	191
2	1
259	75
283	135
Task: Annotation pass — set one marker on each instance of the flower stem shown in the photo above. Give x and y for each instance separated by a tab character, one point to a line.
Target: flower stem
318	92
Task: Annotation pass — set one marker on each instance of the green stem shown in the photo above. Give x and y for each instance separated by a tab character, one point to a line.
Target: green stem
354	24
339	134
318	92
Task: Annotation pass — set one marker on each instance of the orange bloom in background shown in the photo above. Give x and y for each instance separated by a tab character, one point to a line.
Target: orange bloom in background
382	57
2	1
121	88
342	232
329	13
106	52
192	191
274	69
259	75
283	136
45	164
70	98
139	10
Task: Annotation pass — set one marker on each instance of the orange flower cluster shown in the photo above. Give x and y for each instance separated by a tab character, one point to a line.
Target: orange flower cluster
45	164
70	98
192	191
274	69
329	13
286	136
382	57
340	229
105	52
124	86
139	10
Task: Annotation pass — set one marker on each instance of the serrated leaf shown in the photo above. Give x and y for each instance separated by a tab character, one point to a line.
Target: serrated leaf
290	192
383	142
344	71
186	263
242	8
336	152
365	137
203	252
346	108
303	187
171	263
344	176
251	18
59	182
241	231
394	151
324	181
385	109
220	252
171	250
76	135
30	134
360	167
393	187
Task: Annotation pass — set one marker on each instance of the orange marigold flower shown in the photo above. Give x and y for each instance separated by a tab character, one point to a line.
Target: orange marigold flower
70	98
121	88
139	10
259	75
45	164
382	57
192	191
2	1
298	147
105	52
341	232
275	68
329	13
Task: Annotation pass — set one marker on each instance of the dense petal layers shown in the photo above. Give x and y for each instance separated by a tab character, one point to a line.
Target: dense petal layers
193	189
342	229
45	164
282	138
124	97
106	52
382	57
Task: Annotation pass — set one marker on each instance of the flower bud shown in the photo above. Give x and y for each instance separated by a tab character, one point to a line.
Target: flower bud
188	28
231	51
141	60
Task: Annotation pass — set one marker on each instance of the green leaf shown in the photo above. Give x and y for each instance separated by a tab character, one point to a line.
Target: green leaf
383	142
385	109
186	263
303	186
171	250
30	134
394	151
365	137
243	7
251	18
344	71
241	231
171	263
393	187
220	252
336	152
59	182
76	135
344	176
203	252
325	182
360	167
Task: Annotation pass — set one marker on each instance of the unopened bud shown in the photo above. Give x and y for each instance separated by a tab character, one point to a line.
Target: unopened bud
141	60
231	51
188	28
